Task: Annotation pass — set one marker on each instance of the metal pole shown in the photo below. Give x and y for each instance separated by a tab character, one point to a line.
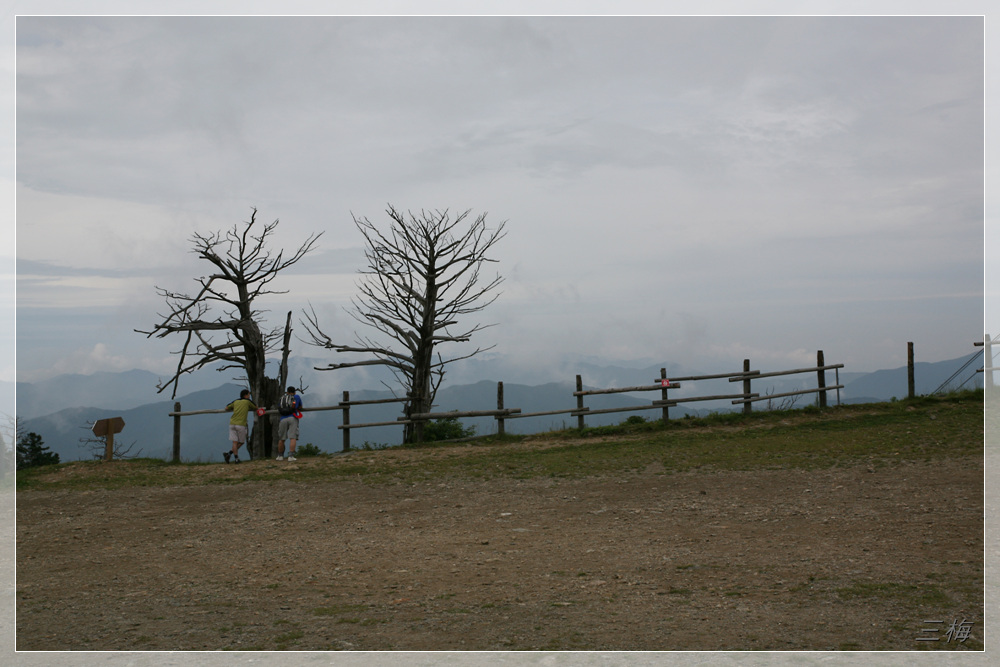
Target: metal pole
836	379
988	363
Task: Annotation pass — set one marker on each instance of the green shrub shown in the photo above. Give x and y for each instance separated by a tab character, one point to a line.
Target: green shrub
373	446
448	428
308	449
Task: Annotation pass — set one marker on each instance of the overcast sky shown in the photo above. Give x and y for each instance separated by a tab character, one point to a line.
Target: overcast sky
696	190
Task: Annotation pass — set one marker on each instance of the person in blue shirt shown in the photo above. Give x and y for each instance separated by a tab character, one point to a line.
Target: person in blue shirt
290	409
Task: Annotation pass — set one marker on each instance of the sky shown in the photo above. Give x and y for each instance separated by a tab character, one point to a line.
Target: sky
697	189
687	189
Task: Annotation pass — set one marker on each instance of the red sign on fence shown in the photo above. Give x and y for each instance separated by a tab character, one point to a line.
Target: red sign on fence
664	382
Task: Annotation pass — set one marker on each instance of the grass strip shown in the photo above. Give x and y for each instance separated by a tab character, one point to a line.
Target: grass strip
878	434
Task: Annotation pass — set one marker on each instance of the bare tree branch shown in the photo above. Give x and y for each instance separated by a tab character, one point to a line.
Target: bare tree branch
219	321
97	445
423	277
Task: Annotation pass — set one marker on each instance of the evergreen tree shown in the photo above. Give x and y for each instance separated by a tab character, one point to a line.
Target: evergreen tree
31	452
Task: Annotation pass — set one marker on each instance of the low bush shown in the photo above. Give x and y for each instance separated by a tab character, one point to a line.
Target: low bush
308	449
448	428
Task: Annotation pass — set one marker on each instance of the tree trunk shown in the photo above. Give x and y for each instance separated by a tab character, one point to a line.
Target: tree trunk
265	429
266	394
421	400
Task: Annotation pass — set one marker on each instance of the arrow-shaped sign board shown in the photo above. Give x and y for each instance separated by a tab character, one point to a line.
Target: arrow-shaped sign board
112	425
108	427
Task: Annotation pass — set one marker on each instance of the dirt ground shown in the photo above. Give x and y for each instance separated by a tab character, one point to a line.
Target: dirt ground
836	559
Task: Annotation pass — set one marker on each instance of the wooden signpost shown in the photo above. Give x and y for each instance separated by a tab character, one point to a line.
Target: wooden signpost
107	428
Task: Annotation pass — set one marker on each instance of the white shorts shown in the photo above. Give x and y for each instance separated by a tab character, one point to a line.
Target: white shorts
237	433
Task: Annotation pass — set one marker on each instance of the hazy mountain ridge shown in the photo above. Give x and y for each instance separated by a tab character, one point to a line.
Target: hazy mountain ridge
203	437
130	389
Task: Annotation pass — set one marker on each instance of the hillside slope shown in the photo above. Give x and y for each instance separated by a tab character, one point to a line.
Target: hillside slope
843	529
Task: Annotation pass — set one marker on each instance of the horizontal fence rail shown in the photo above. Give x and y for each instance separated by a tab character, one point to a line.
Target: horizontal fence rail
321	408
719	397
470	413
568	411
663	403
622	390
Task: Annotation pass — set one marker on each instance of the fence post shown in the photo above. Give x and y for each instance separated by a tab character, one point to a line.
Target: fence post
177	433
346	412
747	409
663	395
821	378
988	385
500	423
579	402
910	382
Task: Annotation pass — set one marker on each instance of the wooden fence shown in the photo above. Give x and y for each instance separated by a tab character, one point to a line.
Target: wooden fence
344	405
663	385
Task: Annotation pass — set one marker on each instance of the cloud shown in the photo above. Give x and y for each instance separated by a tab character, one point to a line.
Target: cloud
92	359
778	180
45	271
90	232
98	358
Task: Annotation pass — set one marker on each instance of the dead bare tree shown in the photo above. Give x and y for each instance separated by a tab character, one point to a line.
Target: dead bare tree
423	276
221	323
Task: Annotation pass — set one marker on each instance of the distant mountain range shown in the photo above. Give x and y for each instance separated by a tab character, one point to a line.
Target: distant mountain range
131	389
55	408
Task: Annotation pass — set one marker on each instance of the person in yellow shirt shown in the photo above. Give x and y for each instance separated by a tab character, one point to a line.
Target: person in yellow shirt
240	408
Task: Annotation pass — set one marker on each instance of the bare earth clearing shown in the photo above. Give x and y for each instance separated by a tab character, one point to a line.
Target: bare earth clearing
841	558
